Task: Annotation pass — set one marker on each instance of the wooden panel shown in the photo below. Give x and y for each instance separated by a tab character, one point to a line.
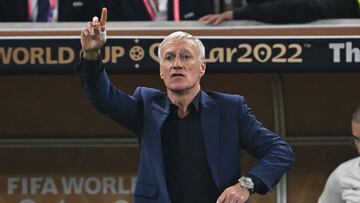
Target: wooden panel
306	178
65	175
55	106
43	174
320	104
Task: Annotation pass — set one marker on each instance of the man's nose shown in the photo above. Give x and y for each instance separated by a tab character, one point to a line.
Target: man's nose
177	62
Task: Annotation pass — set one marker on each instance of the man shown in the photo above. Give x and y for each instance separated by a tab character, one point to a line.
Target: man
343	184
190	140
287	11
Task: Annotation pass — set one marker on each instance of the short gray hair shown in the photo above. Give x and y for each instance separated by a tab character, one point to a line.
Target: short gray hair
183	35
356	115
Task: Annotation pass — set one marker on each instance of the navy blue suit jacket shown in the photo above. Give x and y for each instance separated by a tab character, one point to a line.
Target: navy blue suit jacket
228	125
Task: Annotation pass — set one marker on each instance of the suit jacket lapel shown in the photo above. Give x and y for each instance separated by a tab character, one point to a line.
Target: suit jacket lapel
210	128
160	110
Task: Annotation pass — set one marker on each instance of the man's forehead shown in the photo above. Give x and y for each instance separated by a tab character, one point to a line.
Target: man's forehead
174	50
183	43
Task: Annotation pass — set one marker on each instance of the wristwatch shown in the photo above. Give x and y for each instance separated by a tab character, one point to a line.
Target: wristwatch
248	183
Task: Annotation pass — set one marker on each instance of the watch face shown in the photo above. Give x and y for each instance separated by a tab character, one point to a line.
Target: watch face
246	182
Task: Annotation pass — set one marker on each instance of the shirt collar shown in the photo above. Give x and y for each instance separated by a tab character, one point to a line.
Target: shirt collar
194	103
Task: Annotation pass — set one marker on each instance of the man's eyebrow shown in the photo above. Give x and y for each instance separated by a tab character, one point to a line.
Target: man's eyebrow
182	51
169	52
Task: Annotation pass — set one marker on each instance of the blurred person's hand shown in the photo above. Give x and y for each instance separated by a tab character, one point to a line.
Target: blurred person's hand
91	40
215	19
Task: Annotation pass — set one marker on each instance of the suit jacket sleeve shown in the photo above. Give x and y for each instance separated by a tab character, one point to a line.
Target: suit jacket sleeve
108	99
274	154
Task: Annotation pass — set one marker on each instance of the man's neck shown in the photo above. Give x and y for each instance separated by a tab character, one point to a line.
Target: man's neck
183	99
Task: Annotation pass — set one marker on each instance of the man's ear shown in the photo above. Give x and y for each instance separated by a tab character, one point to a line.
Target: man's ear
161	74
202	68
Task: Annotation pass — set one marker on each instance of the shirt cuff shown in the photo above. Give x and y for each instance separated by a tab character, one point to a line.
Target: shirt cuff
90	67
259	186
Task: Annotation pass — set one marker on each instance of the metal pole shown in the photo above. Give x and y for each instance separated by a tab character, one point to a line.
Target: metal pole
280	128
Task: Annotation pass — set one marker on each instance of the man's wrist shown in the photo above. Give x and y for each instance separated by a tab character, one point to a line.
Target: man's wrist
247	182
90	63
228	15
91	55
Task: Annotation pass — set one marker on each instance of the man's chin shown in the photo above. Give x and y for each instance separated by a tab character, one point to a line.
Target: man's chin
180	88
177	89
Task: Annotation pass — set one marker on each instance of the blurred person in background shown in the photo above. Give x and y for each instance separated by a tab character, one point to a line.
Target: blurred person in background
158	10
343	184
287	11
48	10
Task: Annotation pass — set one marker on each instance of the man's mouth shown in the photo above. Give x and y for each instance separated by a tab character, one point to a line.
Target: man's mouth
177	75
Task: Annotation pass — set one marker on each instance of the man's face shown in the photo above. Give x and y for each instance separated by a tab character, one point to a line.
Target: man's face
356	133
181	66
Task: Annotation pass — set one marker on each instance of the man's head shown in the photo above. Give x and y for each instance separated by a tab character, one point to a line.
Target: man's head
355	126
182	62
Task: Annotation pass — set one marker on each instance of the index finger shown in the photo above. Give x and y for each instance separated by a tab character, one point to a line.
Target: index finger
103	17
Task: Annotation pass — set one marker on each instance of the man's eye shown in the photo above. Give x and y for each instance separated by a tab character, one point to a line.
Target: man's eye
168	58
187	57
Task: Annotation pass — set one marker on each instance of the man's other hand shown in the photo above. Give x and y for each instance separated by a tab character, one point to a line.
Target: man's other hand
234	194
